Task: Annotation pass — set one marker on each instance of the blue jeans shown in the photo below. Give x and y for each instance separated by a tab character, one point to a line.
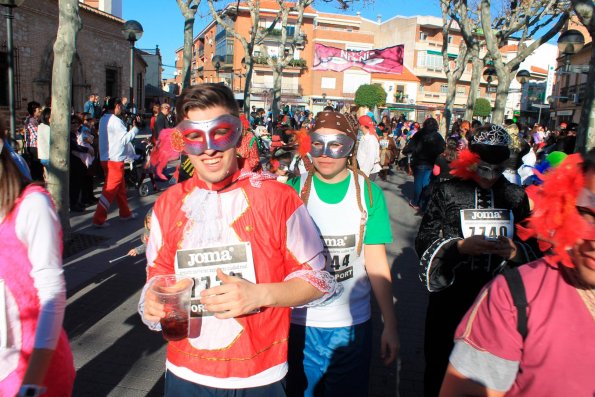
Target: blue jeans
329	362
178	387
421	179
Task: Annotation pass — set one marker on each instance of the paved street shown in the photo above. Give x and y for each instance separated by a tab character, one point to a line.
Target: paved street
116	355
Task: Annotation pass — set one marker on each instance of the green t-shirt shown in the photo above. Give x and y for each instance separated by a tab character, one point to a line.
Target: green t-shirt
378	227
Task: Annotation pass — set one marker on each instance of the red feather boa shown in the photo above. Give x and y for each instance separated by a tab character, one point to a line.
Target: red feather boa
555	221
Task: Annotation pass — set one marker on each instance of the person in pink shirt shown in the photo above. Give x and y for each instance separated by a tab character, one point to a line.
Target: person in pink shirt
546	348
35	357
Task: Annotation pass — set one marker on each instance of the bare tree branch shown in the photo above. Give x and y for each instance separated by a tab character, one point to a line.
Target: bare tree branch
585	9
453	72
188	9
531	13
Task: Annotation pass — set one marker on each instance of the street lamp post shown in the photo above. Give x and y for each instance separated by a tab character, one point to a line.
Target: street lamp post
10	4
569	43
217	67
132	31
488	75
523	76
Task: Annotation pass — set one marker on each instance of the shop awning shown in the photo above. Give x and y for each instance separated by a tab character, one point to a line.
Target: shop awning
431	52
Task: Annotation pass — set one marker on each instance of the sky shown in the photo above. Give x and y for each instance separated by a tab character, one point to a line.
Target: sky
163	23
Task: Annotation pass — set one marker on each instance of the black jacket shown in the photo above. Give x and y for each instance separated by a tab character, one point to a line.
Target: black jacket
161	122
424	147
442	265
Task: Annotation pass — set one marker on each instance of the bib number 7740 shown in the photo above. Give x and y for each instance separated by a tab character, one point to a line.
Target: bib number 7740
487	222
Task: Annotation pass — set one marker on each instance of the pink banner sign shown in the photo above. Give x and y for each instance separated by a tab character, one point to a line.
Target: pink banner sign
384	60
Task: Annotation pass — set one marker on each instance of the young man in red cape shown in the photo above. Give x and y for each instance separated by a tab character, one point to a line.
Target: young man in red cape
242	346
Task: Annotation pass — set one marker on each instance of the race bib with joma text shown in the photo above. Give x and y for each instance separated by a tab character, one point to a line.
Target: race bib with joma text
492	222
338	255
202	263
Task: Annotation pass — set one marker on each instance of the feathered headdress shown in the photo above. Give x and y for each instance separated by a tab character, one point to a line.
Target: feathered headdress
464	166
245	122
302	139
555	220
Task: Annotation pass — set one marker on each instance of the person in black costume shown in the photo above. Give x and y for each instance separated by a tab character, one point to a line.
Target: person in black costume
466	236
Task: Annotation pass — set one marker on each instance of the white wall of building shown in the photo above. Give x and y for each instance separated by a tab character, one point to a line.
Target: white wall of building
113	7
544	57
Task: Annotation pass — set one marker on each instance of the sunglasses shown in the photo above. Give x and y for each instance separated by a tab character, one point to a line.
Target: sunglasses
218	134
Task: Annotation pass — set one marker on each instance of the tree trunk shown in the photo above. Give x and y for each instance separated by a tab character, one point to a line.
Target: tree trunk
277	81
69	23
473	85
585	138
248	81
448	106
187	54
188	9
501	96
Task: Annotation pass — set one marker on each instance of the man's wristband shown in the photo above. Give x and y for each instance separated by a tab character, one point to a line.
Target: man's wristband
31	391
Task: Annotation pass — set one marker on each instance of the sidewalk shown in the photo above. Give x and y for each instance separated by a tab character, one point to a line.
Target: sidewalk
116	355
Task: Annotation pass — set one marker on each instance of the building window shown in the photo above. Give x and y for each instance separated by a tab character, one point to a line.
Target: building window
449	39
423	36
352	81
461	91
328	82
4	77
400	94
425	60
111	82
444	88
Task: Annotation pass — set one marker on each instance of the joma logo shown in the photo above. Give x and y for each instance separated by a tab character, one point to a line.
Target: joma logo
334	242
486	215
209	257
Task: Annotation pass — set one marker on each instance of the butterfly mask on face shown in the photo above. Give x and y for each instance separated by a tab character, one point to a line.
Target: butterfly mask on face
196	137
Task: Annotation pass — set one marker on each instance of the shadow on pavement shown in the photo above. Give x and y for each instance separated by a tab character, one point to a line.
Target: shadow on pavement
411	310
157	390
121	360
109	290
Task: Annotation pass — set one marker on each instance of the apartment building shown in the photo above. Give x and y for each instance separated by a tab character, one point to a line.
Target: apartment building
423	40
302	86
418	90
570	90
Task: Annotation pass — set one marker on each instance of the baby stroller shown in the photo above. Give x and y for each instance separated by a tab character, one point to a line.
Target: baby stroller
136	174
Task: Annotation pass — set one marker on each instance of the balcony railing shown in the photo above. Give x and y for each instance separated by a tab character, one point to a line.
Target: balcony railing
298	63
344	30
261	88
